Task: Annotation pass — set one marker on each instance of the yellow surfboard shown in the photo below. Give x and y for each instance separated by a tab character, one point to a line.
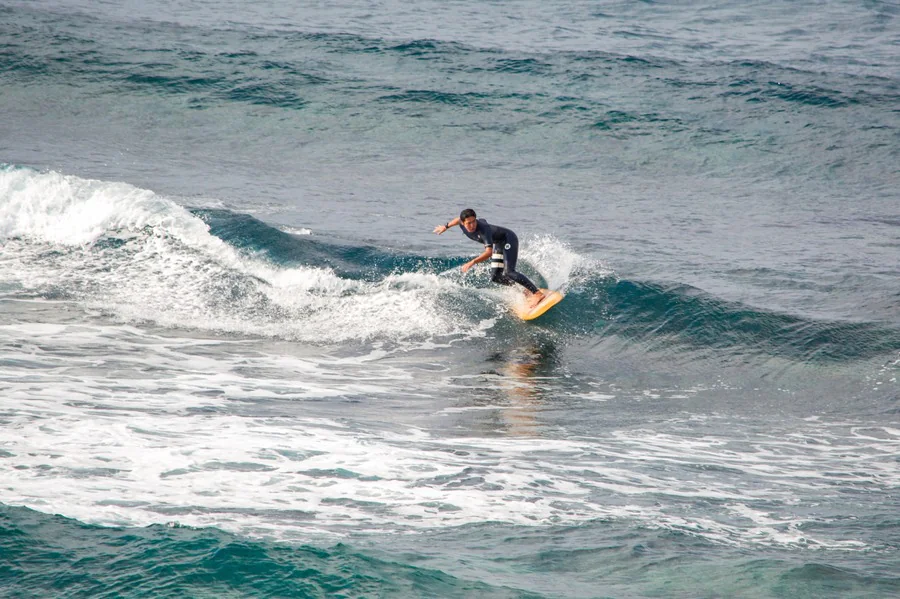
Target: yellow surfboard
551	298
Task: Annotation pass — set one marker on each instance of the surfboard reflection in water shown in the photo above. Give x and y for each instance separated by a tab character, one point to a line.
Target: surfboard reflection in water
527	376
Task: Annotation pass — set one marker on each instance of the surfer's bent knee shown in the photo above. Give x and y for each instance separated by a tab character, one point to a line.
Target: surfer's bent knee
498	275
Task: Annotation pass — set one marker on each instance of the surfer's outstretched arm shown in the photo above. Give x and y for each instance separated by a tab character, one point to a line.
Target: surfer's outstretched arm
441	228
479	258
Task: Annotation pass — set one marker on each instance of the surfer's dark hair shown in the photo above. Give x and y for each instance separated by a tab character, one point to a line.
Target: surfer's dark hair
466	214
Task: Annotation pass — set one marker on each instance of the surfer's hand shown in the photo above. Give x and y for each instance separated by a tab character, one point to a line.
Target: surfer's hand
440	229
467	266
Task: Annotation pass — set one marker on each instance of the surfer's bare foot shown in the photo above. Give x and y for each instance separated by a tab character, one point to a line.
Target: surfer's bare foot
535	299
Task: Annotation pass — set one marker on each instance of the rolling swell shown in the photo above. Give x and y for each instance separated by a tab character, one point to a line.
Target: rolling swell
277	68
769	117
661	316
175	561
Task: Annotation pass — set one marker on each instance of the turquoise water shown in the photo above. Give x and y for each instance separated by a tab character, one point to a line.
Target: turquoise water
236	361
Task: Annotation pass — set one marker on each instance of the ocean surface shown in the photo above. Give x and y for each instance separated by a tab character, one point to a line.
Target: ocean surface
236	362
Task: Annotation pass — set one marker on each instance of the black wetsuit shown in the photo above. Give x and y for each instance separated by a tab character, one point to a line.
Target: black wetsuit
506	251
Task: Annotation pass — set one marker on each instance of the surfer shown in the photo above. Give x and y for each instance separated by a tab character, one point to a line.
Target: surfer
500	245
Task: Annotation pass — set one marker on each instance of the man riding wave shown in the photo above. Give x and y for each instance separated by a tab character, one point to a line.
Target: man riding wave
501	246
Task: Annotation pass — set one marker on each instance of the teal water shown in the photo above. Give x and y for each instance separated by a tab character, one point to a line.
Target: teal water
160	561
235	361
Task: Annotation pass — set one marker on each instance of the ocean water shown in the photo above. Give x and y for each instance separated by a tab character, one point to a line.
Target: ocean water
236	362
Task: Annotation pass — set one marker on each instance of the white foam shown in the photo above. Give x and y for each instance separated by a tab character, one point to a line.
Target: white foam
167	268
67	210
254	475
596	396
301	231
131	451
559	264
113	425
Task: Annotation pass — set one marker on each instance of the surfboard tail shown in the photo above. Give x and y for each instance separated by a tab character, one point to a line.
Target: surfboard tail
551	298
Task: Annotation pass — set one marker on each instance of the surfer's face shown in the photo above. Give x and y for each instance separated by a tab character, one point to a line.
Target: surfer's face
470	224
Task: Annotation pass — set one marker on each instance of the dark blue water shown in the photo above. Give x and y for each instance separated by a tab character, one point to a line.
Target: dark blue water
236	361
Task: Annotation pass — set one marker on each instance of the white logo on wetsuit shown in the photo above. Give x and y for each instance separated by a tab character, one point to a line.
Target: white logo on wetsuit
507	246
